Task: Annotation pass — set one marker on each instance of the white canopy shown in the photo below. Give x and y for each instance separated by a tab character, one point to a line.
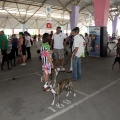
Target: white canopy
32	13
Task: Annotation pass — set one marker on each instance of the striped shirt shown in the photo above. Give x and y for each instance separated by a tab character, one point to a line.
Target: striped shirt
44	49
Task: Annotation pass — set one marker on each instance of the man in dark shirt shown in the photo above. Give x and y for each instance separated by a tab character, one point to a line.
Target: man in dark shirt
15	44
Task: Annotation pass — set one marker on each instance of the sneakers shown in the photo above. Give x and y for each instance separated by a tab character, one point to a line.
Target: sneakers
62	68
58	69
22	64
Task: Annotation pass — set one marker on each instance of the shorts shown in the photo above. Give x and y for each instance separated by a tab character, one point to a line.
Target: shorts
46	68
23	50
58	54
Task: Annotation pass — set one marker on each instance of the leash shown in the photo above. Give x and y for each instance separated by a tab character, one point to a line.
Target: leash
68	58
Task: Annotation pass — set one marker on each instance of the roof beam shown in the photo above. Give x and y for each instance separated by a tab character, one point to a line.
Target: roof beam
3	4
27	9
35	11
21	3
5	23
56	21
64	7
16	25
85	7
19	11
42	25
12	15
68	3
31	25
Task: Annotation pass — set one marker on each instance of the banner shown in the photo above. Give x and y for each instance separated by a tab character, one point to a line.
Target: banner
90	20
94	42
48	17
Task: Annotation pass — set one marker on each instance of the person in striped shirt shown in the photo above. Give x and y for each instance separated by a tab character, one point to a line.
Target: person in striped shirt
46	56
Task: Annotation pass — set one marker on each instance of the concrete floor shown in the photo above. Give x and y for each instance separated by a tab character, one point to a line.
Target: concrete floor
97	92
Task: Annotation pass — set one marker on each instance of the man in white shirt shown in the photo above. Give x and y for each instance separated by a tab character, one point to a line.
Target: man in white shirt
28	44
58	47
78	49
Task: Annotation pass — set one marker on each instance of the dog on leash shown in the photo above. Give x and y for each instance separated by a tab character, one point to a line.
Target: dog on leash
65	84
117	59
8	57
57	87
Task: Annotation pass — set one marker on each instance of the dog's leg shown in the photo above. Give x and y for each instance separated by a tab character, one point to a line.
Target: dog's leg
72	89
2	64
14	62
7	59
58	100
53	99
42	79
114	63
8	64
3	61
74	94
68	92
11	63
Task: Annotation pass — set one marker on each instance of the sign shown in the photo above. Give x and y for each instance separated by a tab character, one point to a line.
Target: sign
90	19
48	25
94	43
48	13
48	17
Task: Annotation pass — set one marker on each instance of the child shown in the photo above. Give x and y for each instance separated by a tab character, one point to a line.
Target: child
47	63
118	48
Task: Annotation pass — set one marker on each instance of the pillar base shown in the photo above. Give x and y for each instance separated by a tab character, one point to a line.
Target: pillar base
103	41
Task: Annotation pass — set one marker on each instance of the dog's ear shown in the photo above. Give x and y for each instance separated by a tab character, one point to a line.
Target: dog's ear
57	84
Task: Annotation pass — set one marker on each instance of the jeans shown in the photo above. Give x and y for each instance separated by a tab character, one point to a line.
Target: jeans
76	68
28	53
15	50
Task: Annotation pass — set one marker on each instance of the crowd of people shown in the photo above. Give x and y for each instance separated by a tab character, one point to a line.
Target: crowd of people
51	49
21	45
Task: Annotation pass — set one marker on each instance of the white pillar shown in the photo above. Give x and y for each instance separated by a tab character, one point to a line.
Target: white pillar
23	27
62	28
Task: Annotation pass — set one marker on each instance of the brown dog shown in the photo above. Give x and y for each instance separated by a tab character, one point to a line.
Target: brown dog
65	84
57	87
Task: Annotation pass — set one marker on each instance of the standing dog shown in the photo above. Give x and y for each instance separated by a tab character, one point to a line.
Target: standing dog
117	59
57	87
65	84
8	57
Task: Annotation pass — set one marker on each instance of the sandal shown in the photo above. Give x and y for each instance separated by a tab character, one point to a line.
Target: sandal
69	71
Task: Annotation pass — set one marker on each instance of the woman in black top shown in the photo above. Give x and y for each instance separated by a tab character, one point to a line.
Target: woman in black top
23	48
